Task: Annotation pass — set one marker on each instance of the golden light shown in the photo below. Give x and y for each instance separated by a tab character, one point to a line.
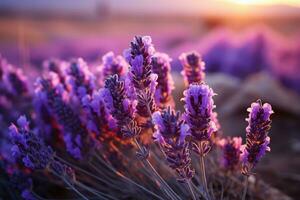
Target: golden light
267	2
244	1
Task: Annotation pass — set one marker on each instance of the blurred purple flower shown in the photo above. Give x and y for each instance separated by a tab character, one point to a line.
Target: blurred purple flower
97	116
58	67
81	80
27	195
23	184
76	136
113	65
15	81
33	152
193	67
163	93
231	152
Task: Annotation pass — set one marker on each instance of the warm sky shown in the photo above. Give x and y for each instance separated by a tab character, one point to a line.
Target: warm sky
266	2
191	7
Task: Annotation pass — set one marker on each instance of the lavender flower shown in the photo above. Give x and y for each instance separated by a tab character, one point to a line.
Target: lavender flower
23	184
113	65
161	66
193	67
257	139
79	77
98	118
171	133
217	133
142	79
199	105
75	133
28	146
139	58
231	152
44	118
15	81
57	67
33	152
116	102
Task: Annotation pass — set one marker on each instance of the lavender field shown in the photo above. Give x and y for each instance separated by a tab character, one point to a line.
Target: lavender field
144	106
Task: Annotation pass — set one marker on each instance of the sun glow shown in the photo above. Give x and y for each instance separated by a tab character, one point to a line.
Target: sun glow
267	2
244	1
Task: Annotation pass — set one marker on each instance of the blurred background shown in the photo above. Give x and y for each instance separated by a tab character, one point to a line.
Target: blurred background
251	49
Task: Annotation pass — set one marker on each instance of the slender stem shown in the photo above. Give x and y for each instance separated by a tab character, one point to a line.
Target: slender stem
160	179
199	190
162	150
127	179
38	196
202	165
245	188
147	162
74	189
95	192
82	170
69	184
191	190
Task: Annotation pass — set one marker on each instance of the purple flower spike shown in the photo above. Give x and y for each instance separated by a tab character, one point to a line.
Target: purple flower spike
15	81
257	139
162	67
57	67
79	77
171	134
113	65
116	101
193	67
30	148
231	152
99	120
142	79
139	58
199	107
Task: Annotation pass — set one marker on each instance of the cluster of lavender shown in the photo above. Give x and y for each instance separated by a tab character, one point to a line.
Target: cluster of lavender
28	148
75	113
